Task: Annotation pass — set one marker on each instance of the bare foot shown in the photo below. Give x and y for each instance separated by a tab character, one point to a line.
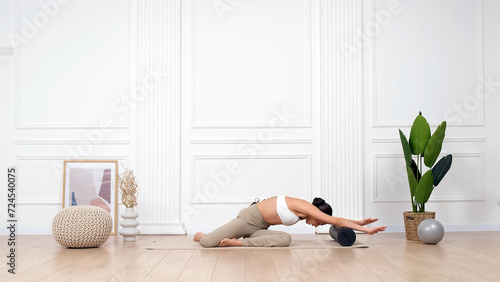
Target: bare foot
198	236
226	242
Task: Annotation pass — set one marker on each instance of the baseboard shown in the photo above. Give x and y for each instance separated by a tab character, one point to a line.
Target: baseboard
26	230
323	229
162	229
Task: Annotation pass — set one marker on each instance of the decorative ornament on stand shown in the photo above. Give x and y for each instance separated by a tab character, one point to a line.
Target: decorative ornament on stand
128	188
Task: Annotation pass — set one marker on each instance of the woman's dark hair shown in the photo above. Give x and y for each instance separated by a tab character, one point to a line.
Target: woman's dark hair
322	206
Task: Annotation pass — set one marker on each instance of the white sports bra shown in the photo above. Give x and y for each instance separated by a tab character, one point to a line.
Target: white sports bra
287	217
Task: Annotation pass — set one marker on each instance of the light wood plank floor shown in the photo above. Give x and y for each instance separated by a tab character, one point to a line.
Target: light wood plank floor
461	256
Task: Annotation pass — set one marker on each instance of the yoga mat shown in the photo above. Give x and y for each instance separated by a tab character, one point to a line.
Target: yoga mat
296	244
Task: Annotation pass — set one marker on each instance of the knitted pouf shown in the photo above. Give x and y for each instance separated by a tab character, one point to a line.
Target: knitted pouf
82	226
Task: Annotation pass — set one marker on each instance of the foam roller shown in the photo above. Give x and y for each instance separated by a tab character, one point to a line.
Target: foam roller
343	235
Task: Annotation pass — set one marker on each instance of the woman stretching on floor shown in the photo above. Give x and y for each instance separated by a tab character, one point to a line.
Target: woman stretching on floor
252	223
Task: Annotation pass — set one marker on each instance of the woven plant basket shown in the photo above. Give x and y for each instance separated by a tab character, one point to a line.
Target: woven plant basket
412	220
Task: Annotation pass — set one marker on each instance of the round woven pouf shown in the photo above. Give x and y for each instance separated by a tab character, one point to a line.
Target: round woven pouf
82	226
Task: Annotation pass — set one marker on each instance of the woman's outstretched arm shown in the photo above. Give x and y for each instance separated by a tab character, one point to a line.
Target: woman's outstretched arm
308	209
343	222
363	222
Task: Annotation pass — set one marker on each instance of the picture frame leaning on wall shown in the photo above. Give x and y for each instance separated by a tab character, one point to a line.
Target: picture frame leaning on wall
92	182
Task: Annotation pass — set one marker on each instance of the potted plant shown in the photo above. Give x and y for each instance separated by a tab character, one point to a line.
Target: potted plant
425	149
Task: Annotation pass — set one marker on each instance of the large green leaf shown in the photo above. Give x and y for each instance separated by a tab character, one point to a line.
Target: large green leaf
406	148
434	145
412	181
415	170
441	168
424	188
419	135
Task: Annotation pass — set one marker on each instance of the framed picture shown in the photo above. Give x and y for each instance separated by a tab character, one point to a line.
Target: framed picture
91	183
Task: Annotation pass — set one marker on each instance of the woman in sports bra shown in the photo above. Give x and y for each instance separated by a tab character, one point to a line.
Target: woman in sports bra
250	227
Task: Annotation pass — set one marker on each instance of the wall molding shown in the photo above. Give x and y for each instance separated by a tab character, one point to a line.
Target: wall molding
196	124
69	142
158	136
247	158
446	140
341	107
63	158
18	125
38	202
58	167
261	125
48	202
252	141
434	198
59	164
480	68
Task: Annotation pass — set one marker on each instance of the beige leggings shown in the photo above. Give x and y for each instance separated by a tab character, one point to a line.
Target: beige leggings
250	225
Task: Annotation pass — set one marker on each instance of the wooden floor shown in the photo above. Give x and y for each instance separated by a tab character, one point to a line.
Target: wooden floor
461	256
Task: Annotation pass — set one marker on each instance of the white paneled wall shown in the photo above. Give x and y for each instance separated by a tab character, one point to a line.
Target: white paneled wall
430	57
447	41
214	103
237	43
249	106
63	58
69	70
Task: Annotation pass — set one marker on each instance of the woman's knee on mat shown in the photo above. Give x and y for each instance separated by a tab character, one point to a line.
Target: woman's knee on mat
268	238
208	241
284	239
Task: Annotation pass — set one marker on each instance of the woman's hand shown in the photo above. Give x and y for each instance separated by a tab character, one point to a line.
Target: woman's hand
375	230
367	221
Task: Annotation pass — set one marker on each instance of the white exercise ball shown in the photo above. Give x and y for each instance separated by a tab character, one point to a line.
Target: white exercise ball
430	231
